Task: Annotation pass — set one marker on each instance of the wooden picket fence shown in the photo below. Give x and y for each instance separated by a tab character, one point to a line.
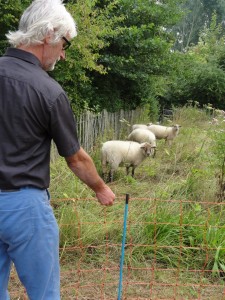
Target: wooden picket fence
104	125
116	125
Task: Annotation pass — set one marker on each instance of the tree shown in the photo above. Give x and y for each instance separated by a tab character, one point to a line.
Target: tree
10	12
121	54
94	25
200	76
136	57
197	16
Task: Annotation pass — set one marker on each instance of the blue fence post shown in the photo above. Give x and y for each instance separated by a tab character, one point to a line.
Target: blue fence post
123	247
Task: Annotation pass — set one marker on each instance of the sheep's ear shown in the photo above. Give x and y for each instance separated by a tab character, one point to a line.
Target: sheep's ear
143	146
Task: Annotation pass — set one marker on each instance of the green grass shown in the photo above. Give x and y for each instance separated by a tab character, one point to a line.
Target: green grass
182	221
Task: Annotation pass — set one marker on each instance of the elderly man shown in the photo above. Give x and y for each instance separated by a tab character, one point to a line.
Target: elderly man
34	110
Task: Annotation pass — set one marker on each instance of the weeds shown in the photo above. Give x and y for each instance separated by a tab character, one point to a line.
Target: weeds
191	170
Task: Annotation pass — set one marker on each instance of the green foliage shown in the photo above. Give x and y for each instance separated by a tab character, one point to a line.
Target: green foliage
197	16
211	43
136	57
93	25
178	224
207	83
122	55
119	53
10	12
199	74
219	161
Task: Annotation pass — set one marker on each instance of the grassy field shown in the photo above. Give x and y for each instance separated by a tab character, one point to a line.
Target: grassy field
190	169
176	232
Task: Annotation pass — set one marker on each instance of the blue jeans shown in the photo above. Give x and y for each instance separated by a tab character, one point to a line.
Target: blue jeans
29	237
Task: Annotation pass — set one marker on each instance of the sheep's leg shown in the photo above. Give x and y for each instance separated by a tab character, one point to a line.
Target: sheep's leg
111	175
169	142
133	168
104	168
104	176
153	152
113	167
127	170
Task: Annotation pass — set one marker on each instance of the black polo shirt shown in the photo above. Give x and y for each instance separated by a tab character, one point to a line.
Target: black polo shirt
34	109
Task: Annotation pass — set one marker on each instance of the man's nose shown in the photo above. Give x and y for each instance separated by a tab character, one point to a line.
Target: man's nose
63	55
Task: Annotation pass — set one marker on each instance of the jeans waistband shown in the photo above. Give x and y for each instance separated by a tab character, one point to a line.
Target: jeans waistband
9	190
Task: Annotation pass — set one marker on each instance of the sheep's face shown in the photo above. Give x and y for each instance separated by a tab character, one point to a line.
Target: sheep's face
176	127
148	149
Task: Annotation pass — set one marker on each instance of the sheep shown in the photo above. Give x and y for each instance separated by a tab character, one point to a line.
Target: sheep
129	153
143	126
219	113
214	121
164	132
141	135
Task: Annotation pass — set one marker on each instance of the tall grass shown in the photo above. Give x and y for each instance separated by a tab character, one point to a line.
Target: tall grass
192	169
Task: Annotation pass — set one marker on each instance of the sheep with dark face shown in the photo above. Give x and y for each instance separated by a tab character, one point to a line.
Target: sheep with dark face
128	153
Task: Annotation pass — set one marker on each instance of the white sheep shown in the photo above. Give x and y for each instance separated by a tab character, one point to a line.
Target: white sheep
165	132
219	112
143	126
141	135
116	153
214	121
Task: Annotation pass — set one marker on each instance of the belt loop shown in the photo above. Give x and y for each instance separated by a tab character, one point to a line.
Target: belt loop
47	191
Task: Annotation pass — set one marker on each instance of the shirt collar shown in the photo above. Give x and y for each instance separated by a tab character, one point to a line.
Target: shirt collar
24	55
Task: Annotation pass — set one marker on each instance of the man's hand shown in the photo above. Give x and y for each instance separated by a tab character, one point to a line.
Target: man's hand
106	196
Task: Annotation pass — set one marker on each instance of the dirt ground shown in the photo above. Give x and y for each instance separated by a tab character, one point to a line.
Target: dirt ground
103	284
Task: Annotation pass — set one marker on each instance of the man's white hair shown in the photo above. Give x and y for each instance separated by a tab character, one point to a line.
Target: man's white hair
43	18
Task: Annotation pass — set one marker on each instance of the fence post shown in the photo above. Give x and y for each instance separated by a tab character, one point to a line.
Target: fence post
123	246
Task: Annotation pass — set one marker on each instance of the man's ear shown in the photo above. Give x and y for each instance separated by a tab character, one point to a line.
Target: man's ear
47	39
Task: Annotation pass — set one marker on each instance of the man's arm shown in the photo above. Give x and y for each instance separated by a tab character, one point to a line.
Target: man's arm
83	167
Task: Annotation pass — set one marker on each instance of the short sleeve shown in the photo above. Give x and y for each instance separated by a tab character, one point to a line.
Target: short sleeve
63	127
